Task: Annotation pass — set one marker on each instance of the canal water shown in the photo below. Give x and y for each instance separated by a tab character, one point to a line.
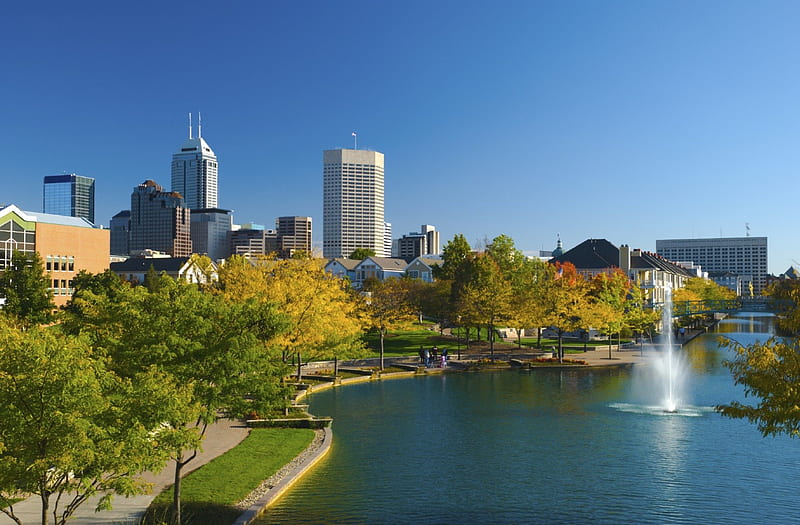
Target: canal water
549	446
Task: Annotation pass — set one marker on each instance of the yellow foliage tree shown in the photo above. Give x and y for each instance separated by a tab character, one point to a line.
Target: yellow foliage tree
323	312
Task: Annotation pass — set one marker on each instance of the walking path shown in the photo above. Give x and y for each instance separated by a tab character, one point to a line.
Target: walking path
220	437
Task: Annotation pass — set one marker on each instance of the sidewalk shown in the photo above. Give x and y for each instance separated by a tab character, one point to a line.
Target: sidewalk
220	437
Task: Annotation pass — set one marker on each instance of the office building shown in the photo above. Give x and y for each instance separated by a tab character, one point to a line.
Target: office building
353	206
417	244
194	172
294	234
253	239
70	195
210	228
66	245
432	238
745	257
160	221
120	227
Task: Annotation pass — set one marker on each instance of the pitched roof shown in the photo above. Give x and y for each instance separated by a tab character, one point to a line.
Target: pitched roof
591	254
652	260
142	264
349	264
388	263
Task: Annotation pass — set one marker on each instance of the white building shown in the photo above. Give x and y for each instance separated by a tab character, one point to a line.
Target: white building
743	256
353	206
194	172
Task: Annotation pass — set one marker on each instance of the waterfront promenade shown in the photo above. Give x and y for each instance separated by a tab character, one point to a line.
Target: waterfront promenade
226	434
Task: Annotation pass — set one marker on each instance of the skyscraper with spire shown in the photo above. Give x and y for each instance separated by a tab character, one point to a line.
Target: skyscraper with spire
194	171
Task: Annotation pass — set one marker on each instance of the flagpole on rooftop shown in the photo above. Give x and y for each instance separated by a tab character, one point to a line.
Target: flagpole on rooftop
355	140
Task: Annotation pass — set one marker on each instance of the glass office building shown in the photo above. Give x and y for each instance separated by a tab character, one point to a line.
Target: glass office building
70	195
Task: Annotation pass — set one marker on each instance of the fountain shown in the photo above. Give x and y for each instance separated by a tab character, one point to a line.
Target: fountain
668	366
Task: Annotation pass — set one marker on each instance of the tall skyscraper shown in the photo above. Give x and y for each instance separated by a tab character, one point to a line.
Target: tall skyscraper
159	221
194	171
352	207
745	257
71	195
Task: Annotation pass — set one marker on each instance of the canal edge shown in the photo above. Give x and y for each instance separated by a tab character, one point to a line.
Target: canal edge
261	505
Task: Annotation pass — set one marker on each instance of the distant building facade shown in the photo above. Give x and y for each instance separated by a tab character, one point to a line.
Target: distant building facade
159	221
294	235
120	227
743	256
253	239
195	172
71	195
210	228
353	202
66	245
417	244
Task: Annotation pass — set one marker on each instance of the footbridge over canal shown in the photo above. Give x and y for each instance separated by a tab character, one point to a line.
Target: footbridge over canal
747	304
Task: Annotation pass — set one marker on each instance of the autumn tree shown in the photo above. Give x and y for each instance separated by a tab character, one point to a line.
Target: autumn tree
26	289
223	352
528	301
640	316
609	292
566	301
386	305
71	427
322	309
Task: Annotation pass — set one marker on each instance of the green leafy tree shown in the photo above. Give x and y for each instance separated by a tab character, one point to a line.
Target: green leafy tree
359	254
26	289
770	372
528	302
223	350
71	428
640	316
487	298
455	254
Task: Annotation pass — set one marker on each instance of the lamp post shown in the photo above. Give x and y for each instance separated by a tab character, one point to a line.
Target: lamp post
458	339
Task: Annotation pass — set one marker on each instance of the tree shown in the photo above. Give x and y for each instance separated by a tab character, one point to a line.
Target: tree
639	314
770	372
609	293
26	288
528	301
566	301
388	305
486	299
71	428
322	310
223	352
359	254
454	254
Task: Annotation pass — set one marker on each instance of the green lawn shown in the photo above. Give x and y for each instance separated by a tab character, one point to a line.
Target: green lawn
406	342
210	493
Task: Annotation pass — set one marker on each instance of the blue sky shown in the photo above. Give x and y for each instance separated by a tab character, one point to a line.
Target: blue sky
626	120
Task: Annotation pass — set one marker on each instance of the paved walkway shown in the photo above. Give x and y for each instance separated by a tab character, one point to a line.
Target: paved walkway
220	437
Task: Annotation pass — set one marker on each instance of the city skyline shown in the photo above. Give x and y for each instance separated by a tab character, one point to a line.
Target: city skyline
626	121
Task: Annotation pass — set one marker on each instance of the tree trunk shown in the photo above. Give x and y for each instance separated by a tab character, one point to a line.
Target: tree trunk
299	367
490	336
335	366
609	345
176	491
382	331
45	496
560	346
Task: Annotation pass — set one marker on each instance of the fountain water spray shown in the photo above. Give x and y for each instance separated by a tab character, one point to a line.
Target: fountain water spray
671	403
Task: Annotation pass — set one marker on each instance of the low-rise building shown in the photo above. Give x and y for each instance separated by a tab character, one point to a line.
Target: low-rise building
66	245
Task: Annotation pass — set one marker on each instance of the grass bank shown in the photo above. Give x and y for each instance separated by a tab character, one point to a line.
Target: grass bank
210	493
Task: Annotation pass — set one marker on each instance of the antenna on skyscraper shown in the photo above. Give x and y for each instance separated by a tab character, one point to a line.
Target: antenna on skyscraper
747	227
199	125
355	140
190	125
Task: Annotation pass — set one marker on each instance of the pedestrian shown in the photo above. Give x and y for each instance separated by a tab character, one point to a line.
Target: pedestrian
426	357
444	357
421	355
